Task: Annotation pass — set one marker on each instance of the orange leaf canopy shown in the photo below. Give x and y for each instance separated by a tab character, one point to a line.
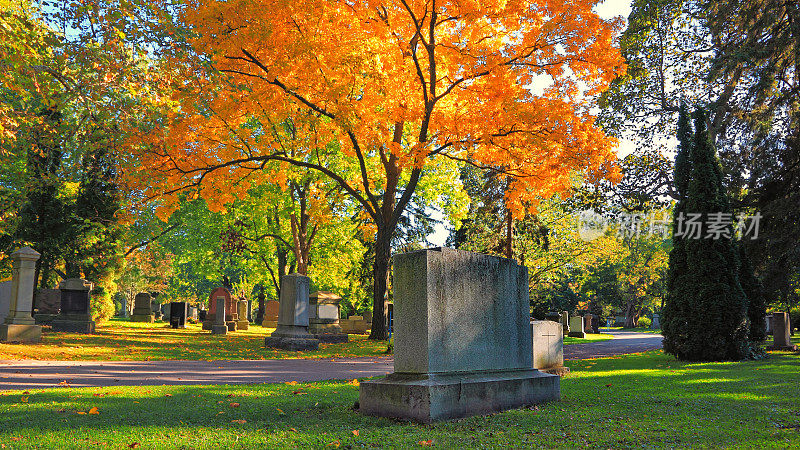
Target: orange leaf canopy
411	79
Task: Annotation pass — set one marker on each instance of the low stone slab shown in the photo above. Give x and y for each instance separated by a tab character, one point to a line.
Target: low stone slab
28	334
443	397
150	318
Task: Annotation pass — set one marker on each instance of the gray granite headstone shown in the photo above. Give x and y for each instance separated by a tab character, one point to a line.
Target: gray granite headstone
656	323
462	340
219	326
292	332
781	332
548	347
576	327
5	299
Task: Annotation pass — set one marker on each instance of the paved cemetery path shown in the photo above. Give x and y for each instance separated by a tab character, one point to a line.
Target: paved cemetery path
30	374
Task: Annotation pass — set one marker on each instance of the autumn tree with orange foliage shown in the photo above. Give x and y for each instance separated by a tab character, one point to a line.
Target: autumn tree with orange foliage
387	88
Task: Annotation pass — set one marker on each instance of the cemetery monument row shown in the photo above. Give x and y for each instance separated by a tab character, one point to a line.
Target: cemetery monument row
76	314
229	312
47	303
142	308
19	325
178	313
462	340
323	317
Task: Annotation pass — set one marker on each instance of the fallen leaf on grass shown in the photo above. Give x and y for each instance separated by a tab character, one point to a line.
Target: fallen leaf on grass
280	411
239	421
354	382
168	395
335	444
355	432
94	410
234	405
134	445
293	429
24	399
428	443
291	383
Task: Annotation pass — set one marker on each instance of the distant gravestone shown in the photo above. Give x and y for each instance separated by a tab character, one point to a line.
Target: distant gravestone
656	323
462	340
242	323
5	299
19	325
548	347
323	317
271	309
48	304
76	314
768	321
553	316
178	312
587	322
292	332
142	308
192	315
156	308
576	327
368	316
565	322
354	325
595	324
229	314
219	326
781	332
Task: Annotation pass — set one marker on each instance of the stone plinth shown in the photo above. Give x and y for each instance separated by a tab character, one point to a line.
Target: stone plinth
462	340
271	309
142	308
242	323
323	317
656	323
781	333
219	326
19	325
292	332
548	347
576	327
76	315
178	313
5	299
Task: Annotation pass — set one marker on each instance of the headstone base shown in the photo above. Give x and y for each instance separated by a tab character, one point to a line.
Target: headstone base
208	324
143	318
328	333
289	337
231	324
431	398
560	371
28	334
269	324
577	334
219	329
74	325
44	319
242	325
790	348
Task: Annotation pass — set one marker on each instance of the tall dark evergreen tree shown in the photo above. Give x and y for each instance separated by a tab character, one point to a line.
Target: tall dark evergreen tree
756	302
706	308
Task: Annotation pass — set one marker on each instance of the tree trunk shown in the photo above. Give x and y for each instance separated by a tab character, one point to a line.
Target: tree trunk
632	312
380	274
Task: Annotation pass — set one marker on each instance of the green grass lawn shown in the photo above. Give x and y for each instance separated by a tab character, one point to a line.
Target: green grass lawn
121	340
643	400
589	338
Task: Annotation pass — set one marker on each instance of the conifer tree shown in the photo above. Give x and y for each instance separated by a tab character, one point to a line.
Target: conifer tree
706	308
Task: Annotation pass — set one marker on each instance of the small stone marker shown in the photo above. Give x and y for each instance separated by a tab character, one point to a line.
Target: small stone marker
142	308
656	323
354	325
242	323
156	308
576	327
229	312
5	299
271	309
76	314
462	340
548	347
219	326
323	317
292	332
781	332
178	312
565	322
18	325
47	302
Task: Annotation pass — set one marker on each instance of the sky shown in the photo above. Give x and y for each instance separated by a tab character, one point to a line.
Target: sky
607	10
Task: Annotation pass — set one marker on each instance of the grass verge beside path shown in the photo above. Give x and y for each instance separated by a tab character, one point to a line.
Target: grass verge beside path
638	400
121	340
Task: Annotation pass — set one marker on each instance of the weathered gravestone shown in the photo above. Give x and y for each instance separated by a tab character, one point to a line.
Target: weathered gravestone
156	308
548	347
142	308
781	333
292	332
18	325
354	325
76	315
229	314
5	299
462	340
368	316
768	321
242	323
565	322
219	326
323	317
178	313
576	327
587	322
553	316
656	323
47	302
271	309
191	314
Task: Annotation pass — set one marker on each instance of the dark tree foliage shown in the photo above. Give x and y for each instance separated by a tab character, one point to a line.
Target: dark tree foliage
756	302
705	314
